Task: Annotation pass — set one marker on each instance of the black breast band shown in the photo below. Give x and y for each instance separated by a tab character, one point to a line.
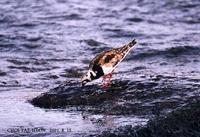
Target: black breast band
98	70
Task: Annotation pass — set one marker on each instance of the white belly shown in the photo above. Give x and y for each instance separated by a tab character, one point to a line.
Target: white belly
107	70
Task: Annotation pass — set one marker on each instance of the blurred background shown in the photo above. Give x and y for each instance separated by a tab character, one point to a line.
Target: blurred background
46	42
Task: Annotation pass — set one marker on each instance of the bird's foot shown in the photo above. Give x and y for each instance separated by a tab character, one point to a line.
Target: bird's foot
106	81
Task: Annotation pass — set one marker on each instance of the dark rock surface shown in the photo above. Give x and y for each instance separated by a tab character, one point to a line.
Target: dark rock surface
183	122
172	104
153	97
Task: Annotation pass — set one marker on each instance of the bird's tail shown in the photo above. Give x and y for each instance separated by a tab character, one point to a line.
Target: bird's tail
126	48
132	43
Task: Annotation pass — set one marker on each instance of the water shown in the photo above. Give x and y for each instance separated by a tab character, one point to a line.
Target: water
43	43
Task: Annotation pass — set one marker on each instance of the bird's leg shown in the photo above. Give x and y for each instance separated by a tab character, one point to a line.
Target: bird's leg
106	80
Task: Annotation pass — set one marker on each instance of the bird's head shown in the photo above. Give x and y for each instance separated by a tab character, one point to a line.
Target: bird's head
87	77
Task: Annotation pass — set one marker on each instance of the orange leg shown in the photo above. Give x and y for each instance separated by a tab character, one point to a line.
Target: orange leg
106	81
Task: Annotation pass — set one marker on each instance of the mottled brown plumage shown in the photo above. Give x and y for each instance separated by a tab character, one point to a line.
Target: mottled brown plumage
112	57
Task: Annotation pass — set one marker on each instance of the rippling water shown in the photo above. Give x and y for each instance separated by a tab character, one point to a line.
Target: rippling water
46	42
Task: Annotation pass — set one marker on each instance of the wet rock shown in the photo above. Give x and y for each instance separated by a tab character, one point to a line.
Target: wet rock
183	122
71	93
151	97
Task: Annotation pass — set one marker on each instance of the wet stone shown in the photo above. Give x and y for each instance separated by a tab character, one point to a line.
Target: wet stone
182	122
154	96
71	93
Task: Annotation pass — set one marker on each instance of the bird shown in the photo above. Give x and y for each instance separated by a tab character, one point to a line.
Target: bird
104	64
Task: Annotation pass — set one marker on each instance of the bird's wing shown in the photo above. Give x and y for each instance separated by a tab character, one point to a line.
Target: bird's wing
107	58
112	57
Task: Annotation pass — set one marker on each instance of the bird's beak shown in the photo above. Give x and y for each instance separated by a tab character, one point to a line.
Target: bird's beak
83	83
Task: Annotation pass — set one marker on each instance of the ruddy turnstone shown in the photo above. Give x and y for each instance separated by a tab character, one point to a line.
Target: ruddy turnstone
105	63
